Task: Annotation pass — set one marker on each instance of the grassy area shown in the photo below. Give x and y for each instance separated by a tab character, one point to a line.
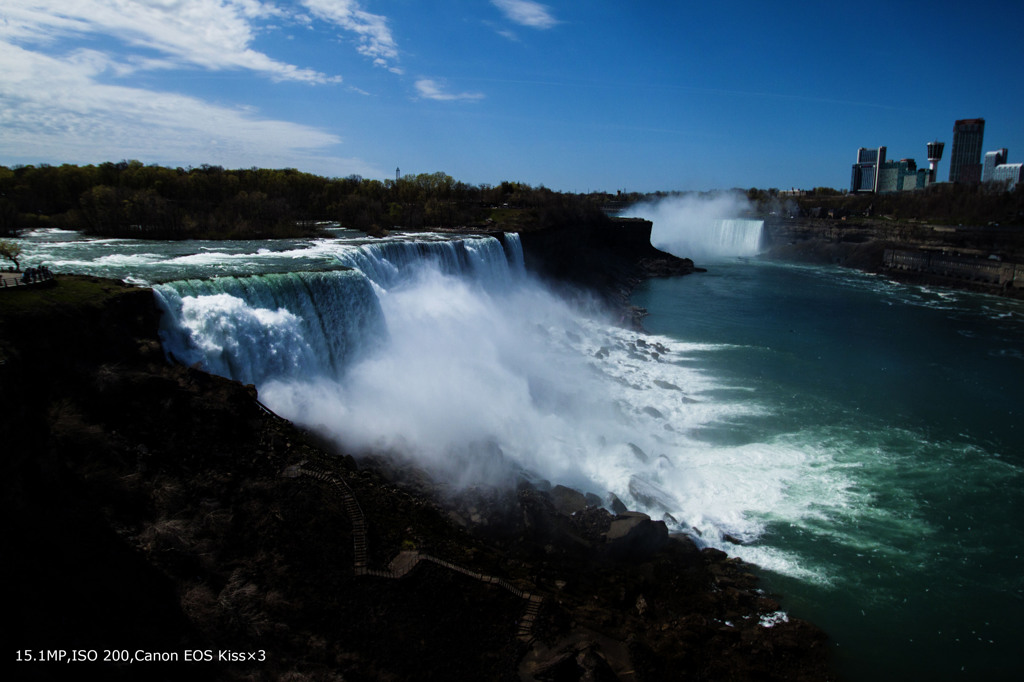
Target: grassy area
513	219
63	291
57	312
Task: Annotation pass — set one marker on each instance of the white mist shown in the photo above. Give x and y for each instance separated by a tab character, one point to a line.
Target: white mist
484	375
705	228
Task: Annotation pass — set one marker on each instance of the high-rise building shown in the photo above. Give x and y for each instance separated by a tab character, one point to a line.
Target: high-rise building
864	177
965	161
992	159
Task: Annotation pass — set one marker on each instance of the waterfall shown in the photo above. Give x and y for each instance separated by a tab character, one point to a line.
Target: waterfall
447	355
699	228
264	327
306	324
709	240
514	253
483	260
735	237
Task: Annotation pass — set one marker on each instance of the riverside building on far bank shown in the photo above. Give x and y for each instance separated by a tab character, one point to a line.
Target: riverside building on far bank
873	174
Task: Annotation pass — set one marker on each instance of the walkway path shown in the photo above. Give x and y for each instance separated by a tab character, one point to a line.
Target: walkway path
405	561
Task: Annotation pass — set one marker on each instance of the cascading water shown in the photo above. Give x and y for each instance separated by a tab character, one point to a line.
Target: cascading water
709	240
702	229
483	260
254	329
728	237
263	327
446	353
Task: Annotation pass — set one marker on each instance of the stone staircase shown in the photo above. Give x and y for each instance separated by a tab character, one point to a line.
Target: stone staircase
405	561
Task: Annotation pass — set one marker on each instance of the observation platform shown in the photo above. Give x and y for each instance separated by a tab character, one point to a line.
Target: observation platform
11	280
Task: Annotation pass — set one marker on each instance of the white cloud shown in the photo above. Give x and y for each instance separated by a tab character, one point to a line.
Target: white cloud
211	34
375	38
431	89
54	110
527	13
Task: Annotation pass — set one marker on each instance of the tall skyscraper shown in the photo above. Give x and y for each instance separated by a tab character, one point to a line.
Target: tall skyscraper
965	161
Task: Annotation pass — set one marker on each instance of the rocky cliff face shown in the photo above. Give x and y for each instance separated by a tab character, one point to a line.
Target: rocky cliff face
862	244
608	259
158	509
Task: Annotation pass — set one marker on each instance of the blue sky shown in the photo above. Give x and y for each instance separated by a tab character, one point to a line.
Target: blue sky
576	96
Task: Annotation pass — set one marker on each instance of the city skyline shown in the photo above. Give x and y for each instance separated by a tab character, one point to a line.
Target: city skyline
874	172
594	97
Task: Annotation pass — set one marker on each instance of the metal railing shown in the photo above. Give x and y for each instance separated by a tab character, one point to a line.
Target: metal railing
29	276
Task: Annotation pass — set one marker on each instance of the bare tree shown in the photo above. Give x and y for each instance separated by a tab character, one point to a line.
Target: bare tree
10	251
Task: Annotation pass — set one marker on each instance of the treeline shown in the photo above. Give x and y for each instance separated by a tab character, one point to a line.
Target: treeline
946	204
130	199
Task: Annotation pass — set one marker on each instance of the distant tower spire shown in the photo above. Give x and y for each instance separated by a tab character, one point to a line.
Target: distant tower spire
934	156
398	174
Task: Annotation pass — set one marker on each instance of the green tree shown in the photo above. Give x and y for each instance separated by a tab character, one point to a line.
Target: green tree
103	210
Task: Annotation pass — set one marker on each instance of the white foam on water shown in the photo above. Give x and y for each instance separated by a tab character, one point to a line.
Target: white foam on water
479	386
484	375
48	232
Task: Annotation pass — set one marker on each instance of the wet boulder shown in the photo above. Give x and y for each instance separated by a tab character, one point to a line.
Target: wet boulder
566	500
635	535
616	505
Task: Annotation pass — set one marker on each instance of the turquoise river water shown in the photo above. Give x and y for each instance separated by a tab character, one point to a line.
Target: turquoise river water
899	409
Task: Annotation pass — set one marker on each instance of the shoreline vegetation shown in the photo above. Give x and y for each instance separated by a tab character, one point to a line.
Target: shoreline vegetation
130	199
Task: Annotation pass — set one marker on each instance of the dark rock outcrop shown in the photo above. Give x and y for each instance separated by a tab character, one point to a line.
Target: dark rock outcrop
633	535
609	259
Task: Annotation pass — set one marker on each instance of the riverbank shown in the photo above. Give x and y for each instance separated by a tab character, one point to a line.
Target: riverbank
160	511
971	258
